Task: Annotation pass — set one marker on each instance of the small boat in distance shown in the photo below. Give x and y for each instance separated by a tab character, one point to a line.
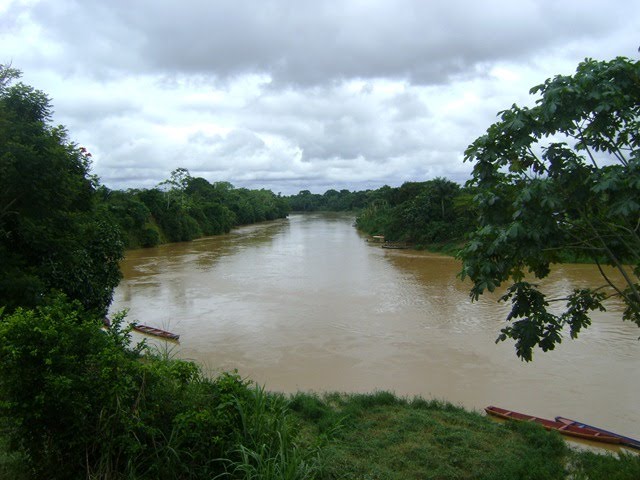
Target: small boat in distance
585	433
626	441
154	331
395	245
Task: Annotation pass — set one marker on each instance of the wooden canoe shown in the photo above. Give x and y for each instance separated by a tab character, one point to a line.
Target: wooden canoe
395	245
627	441
157	332
563	428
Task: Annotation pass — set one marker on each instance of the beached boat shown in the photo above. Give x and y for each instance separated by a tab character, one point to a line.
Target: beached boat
154	331
563	428
395	245
627	441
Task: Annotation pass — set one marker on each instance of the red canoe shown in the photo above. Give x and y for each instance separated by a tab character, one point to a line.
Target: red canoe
154	331
563	428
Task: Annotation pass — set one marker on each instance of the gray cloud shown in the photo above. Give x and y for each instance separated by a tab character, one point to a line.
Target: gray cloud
313	42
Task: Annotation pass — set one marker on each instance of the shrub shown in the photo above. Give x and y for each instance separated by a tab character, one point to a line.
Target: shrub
80	401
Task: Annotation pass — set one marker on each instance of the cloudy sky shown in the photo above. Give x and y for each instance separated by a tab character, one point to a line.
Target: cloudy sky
296	94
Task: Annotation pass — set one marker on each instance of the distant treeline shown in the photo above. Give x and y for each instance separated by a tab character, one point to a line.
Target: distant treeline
184	207
420	213
331	201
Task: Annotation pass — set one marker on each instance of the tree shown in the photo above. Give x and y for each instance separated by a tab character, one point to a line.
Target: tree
305	201
561	178
176	185
50	234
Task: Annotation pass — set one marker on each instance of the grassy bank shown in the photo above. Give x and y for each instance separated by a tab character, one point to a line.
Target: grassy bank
381	436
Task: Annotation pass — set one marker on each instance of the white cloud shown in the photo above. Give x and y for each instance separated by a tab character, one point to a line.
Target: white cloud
291	95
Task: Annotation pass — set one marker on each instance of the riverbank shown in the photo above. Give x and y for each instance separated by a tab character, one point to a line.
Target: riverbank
379	435
445	248
452	249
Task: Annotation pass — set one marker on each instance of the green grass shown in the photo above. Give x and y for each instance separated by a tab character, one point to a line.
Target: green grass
381	436
268	446
590	466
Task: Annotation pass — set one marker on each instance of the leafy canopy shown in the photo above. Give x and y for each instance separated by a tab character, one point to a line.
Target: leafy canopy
51	236
556	180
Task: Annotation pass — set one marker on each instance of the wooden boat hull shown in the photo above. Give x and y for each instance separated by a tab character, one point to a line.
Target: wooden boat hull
627	441
157	332
395	246
564	429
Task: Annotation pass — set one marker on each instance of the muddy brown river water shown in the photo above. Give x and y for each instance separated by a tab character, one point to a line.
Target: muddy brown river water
307	303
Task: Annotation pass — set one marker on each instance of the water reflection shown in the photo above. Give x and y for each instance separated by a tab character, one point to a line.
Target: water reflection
307	303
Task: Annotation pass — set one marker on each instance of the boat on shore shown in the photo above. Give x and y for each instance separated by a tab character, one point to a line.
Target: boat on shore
626	441
395	245
584	433
157	332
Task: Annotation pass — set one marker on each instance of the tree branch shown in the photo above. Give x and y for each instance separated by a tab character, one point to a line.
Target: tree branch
586	146
622	270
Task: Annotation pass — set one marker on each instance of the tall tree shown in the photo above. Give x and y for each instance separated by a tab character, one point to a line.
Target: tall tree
50	236
560	178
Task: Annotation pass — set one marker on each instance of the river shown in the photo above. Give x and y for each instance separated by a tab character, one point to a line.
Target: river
307	303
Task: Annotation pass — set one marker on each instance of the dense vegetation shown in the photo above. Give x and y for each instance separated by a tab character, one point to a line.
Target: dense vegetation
184	207
421	213
51	235
79	402
426	213
331	200
563	176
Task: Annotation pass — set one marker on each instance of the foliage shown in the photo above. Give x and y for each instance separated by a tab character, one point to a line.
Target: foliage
184	207
418	212
83	402
57	371
132	216
560	178
332	200
50	234
263	455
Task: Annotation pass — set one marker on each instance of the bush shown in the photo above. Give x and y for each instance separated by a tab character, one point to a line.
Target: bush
61	380
79	401
149	237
